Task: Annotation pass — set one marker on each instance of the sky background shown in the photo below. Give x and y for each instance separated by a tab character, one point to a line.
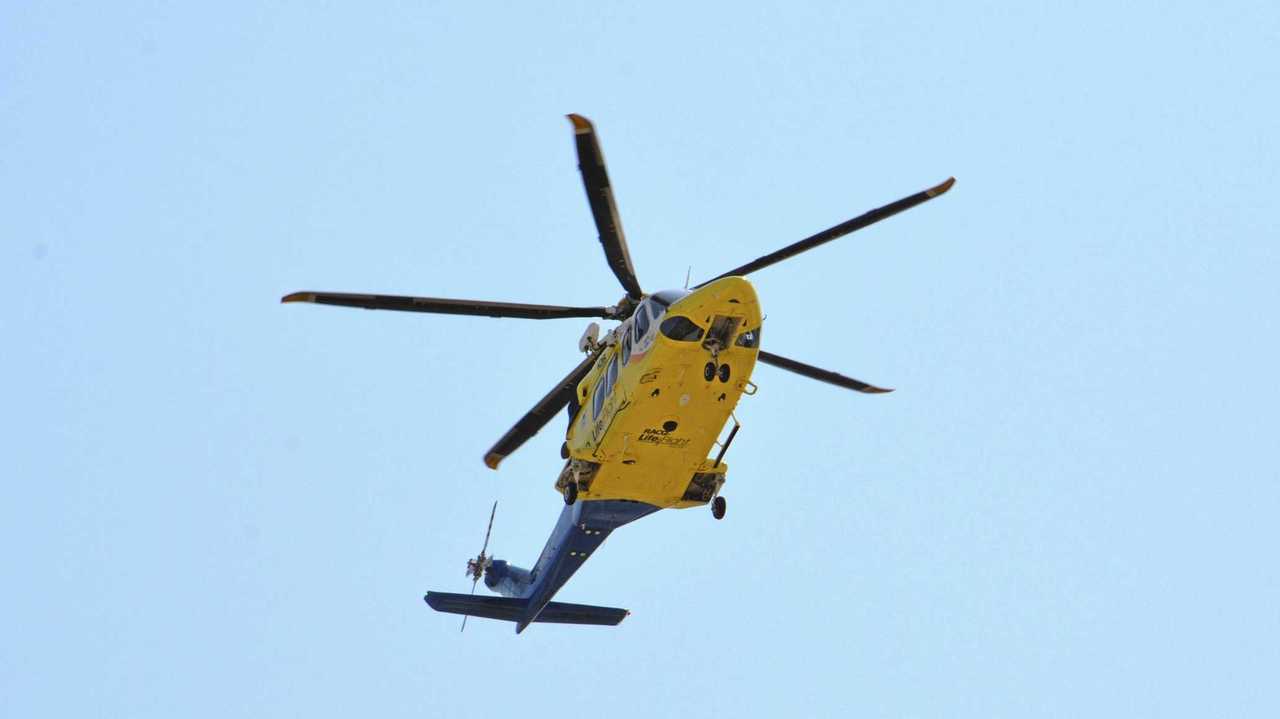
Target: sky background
215	505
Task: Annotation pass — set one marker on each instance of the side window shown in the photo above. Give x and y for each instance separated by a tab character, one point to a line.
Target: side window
604	387
626	348
642	320
598	401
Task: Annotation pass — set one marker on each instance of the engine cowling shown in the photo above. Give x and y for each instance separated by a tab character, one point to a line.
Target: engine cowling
507	579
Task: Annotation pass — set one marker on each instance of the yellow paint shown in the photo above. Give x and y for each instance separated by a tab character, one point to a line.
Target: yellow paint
581	125
641	456
941	187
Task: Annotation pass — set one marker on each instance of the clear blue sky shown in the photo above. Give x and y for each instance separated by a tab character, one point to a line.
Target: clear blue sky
214	505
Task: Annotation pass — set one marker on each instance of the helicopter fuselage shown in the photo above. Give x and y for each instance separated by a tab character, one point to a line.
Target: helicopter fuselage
644	419
658	397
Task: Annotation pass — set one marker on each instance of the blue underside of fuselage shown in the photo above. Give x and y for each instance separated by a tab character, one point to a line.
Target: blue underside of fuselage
581	529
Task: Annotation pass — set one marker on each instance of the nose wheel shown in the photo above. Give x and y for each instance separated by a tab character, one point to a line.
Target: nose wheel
571	493
718	507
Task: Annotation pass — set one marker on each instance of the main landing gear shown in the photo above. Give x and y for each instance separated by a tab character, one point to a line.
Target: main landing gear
718	507
575	478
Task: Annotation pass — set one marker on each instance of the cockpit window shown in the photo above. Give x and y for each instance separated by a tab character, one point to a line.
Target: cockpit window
750	338
642	320
656	311
680	329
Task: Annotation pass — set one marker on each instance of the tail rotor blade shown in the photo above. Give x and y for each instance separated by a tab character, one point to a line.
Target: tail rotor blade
487	532
464	616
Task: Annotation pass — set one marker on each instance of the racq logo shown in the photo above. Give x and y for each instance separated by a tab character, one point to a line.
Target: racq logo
662	438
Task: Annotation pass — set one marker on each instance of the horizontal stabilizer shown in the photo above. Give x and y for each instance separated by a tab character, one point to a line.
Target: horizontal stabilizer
512	610
563	613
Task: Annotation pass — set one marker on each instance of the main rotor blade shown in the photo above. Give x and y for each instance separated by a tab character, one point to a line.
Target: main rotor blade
820	374
490	529
600	196
840	230
438	305
542	412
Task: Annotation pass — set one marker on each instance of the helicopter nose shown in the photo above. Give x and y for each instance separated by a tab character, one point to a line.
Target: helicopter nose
728	295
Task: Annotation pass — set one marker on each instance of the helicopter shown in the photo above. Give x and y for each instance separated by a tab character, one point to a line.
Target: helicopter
646	406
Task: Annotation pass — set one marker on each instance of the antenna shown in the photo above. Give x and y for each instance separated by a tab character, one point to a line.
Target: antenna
686	276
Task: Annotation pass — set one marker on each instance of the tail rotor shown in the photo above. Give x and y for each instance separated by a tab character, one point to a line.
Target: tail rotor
476	567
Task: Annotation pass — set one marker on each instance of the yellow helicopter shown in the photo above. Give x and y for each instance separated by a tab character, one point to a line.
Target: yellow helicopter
647	405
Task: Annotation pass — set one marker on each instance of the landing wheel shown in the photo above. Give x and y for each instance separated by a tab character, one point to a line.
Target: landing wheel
571	493
718	507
